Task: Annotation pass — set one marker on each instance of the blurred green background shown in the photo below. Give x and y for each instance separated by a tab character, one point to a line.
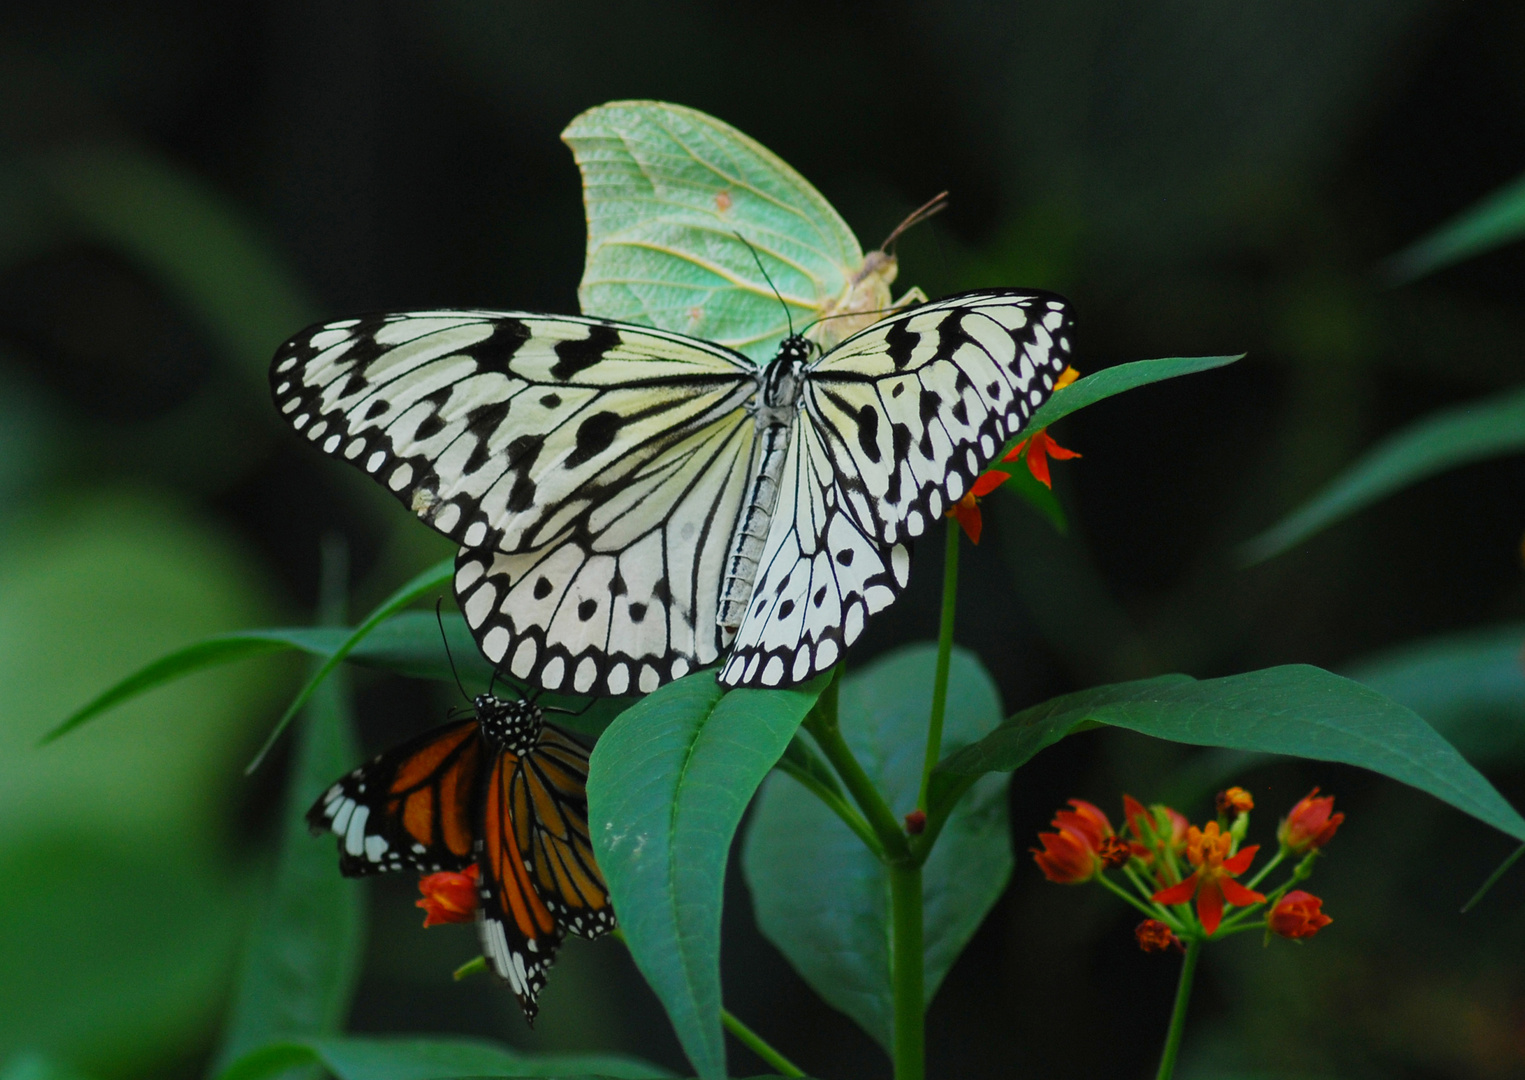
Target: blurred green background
184	185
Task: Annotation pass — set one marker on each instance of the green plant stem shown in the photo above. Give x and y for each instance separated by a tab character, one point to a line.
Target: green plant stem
944	656
1153	911
1267	868
907	985
822	725
1178	1014
838	805
759	1046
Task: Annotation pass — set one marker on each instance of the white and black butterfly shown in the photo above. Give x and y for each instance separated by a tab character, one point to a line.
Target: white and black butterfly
630	502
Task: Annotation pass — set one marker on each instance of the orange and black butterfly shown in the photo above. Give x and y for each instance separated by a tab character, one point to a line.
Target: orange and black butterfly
505	790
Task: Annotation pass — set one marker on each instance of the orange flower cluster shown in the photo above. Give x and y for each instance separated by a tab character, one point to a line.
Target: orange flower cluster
1171	863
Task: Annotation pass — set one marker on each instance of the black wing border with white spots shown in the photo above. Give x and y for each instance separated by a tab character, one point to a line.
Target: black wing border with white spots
983	362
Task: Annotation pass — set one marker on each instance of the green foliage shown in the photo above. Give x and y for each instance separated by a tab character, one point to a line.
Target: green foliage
432	1059
667	189
1296	709
1099	385
822	897
667	785
1445	440
1493	222
302	956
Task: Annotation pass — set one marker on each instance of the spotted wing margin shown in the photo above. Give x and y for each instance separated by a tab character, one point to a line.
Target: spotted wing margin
503	430
915	407
538	879
409	808
820	577
629	600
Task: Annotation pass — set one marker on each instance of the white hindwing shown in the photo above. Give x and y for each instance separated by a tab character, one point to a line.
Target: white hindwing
592	472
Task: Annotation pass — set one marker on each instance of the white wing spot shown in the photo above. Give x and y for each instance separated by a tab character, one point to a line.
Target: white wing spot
587	671
401	477
649	679
448	518
524	658
375	461
495	644
679	668
324	338
773	674
331	443
554	671
618	679
476	534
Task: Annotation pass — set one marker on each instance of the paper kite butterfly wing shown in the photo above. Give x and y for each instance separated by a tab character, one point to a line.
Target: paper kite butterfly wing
897	423
538	878
409	808
592	472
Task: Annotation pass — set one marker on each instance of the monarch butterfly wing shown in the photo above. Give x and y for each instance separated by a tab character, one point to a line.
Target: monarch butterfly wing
820	576
586	468
518	931
550	811
503	430
410	807
914	408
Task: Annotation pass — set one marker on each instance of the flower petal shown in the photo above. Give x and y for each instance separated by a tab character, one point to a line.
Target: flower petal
1177	894
1238	895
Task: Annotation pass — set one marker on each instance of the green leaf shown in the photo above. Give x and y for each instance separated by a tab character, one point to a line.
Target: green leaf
436	577
302	958
1494	221
432	1058
1027	487
667	785
667	189
1090	389
197	243
1468	686
1298	710
1445	440
823	899
38	1067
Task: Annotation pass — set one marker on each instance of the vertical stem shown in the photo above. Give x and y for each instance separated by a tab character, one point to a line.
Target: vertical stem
1178	1014
944	655
759	1046
906	970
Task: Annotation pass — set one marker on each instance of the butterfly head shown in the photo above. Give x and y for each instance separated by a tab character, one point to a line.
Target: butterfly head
511	726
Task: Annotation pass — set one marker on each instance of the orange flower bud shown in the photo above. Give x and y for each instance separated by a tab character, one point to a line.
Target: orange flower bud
1086	818
1081	847
1235	801
916	822
1311	824
449	897
1154	936
1113	852
1297	915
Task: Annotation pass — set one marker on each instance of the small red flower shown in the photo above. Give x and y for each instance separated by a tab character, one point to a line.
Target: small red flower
1144	823
967	509
1212	882
1297	915
1154	936
449	897
1040	447
916	822
1310	825
1074	853
1114	852
1235	800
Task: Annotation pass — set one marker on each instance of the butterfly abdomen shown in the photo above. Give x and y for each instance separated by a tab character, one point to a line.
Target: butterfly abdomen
752	530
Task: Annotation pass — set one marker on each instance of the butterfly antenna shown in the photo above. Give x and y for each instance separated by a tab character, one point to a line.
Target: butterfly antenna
440	619
569	712
935	205
758	260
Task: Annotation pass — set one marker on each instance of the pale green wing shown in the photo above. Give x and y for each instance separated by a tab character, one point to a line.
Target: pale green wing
667	189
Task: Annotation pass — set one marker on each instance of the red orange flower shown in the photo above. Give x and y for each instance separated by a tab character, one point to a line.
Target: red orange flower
1310	825
1235	800
1154	936
1073	854
1297	915
449	897
1040	447
967	509
1145	824
1212	882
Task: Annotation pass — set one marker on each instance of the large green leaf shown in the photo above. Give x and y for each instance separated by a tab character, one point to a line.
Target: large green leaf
823	899
1297	710
667	190
667	786
1496	220
431	1058
1445	440
1469	686
302	958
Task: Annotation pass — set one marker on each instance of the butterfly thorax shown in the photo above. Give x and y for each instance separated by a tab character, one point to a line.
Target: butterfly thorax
509	726
777	407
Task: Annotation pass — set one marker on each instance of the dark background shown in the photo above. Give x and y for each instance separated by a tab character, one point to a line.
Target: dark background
182	186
